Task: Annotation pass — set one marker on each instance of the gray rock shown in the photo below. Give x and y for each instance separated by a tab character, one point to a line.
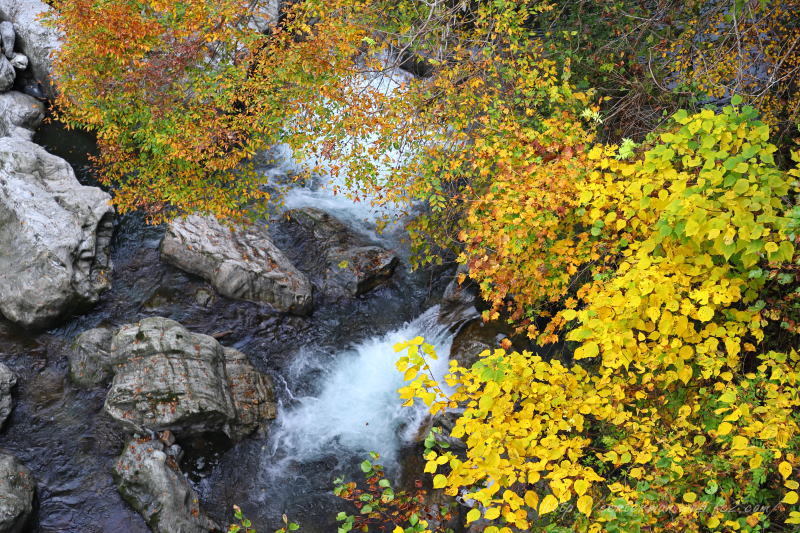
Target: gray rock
90	361
7	74
168	378
7	381
240	262
7	37
54	233
20	115
150	481
458	300
19	61
473	339
343	261
252	393
16	494
34	38
264	15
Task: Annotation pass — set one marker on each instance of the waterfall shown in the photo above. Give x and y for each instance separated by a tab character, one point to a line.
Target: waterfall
355	408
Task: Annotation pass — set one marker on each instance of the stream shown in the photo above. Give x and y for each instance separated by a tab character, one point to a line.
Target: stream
333	371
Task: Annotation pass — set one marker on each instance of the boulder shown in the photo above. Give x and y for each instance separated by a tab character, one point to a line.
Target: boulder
150	481
7	37
20	115
343	262
168	378
34	38
90	361
7	74
54	233
7	381
16	494
19	61
240	262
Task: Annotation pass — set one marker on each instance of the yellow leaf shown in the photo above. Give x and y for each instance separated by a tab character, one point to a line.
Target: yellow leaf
581	486
492	513
531	499
472	515
590	349
397	529
548	505
785	469
705	313
790	498
739	442
439	481
690	497
756	461
724	428
569	314
585	504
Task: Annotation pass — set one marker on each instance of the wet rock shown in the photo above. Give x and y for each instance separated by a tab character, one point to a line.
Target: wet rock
20	115
7	38
458	301
252	393
343	262
90	361
19	61
149	480
7	382
240	262
473	339
169	378
34	38
16	494
54	233
7	74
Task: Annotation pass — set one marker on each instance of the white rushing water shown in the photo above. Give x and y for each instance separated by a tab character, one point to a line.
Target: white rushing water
356	408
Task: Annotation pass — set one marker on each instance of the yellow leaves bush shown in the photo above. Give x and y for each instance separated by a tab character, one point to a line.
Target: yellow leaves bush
675	410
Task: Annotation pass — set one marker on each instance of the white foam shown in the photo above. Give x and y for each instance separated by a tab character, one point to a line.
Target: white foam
357	408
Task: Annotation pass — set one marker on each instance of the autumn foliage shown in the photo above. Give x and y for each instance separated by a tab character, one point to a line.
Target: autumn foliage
620	178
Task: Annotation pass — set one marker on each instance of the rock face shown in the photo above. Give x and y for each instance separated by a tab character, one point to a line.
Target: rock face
54	233
7	74
7	381
458	300
16	494
90	360
7	38
33	38
20	115
149	480
169	378
239	262
344	263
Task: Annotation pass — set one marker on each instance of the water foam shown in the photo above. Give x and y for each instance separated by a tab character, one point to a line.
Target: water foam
356	408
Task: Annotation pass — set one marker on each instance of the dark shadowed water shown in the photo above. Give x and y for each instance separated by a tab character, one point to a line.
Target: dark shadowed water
61	434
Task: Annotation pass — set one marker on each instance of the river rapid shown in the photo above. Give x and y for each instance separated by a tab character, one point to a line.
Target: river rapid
333	372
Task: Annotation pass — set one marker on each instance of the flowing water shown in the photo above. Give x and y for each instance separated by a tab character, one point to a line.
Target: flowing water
334	374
